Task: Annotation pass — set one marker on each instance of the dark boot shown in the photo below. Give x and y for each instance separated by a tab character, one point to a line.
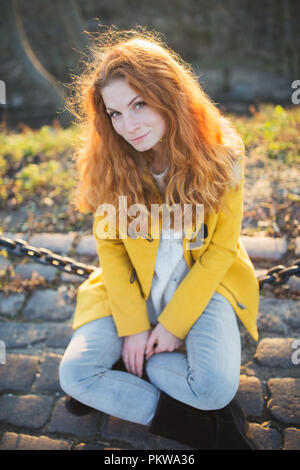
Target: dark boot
76	407
223	429
234	432
185	424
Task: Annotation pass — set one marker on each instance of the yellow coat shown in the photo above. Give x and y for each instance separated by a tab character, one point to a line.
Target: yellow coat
121	286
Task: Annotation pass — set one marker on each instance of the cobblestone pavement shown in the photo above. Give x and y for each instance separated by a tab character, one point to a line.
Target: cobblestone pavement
36	328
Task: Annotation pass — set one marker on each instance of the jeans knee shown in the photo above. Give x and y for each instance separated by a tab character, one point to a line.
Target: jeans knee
69	375
75	376
213	391
155	366
226	394
65	376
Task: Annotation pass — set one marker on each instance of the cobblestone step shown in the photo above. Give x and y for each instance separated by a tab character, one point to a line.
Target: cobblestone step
258	247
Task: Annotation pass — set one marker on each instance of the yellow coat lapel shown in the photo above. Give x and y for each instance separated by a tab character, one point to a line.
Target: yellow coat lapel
143	250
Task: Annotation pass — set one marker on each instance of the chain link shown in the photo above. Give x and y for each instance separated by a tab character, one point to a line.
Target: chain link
20	247
280	274
276	275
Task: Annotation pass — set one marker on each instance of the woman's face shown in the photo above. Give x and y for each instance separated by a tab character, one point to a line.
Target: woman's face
131	117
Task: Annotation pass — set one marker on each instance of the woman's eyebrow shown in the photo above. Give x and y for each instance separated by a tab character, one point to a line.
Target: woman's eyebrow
128	103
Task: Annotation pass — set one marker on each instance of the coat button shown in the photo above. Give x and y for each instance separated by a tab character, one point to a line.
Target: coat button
241	305
132	277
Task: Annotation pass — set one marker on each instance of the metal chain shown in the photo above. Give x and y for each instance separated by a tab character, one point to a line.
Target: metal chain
20	247
280	274
276	276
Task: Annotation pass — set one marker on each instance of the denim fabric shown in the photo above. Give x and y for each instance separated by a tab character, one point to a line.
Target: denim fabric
205	377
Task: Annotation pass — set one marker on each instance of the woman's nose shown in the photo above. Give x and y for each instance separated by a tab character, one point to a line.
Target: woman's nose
131	125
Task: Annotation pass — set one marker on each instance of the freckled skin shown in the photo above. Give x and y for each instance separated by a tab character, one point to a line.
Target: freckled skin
135	120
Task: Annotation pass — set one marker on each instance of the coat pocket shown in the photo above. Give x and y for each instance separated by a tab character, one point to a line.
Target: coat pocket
242	284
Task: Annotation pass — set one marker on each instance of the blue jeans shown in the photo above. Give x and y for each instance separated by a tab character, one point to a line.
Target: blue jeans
205	377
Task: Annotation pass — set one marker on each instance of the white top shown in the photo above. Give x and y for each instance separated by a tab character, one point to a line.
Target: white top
170	266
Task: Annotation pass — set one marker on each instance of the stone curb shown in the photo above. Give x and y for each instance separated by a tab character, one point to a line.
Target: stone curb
258	247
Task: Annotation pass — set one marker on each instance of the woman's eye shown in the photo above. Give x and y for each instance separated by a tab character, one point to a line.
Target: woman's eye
140	102
136	104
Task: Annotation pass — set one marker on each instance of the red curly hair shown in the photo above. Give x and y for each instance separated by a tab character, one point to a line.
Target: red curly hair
201	144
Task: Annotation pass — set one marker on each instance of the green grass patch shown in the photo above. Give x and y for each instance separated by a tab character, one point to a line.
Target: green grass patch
39	164
273	132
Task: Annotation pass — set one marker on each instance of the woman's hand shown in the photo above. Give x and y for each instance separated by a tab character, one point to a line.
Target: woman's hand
133	352
165	341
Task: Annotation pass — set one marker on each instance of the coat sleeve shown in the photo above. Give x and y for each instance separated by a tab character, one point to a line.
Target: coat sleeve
129	309
195	291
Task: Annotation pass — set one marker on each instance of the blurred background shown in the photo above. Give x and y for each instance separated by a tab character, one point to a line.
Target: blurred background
244	51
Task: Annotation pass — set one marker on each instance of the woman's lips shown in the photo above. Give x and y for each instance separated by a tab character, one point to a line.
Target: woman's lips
140	138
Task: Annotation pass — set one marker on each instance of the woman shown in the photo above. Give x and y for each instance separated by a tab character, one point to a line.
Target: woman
161	302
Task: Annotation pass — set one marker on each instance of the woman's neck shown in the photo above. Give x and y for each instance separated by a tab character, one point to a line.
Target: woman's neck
160	161
159	171
158	166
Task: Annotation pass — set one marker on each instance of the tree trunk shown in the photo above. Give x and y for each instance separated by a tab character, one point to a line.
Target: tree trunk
33	94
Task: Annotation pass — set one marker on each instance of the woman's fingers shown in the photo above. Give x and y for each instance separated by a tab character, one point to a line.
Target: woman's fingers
150	345
134	363
149	354
133	352
131	362
125	358
150	350
139	364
